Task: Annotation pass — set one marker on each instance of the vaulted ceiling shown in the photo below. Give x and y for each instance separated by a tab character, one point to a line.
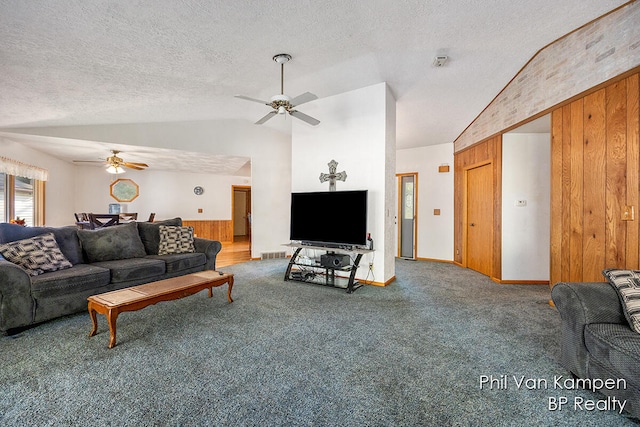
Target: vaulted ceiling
74	62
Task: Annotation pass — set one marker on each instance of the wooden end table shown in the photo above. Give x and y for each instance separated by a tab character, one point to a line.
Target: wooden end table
138	297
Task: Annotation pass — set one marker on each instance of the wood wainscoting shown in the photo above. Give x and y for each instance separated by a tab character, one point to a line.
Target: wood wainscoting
221	230
595	176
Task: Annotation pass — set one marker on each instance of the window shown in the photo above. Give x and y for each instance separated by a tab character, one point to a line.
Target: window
23	199
2	196
21	196
19	199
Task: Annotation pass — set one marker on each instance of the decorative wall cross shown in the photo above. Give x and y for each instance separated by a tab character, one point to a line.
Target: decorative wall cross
332	176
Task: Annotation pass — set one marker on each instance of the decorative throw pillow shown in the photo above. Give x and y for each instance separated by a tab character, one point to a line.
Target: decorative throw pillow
150	233
627	284
37	255
175	240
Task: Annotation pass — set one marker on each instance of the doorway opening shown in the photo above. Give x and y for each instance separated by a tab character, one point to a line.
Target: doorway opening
241	213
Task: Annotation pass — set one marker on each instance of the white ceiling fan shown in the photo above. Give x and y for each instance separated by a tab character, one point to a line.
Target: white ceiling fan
282	103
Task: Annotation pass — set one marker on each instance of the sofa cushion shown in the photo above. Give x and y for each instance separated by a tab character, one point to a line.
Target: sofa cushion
66	237
36	255
615	345
112	243
125	270
11	232
627	284
179	262
175	240
150	233
64	282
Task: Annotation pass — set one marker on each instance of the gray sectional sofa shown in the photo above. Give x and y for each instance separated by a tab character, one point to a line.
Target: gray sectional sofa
597	341
100	261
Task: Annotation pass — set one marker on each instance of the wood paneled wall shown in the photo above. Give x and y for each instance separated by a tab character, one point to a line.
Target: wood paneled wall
221	230
595	166
482	153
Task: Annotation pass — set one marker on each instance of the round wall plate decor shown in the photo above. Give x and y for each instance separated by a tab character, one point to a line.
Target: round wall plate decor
198	190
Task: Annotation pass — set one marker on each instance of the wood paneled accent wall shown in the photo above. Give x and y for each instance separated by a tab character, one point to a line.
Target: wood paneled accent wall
489	151
595	167
221	230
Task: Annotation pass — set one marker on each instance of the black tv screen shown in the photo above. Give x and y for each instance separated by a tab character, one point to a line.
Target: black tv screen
329	218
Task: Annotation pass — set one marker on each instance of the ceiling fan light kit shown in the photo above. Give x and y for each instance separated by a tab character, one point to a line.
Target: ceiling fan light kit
115	169
281	103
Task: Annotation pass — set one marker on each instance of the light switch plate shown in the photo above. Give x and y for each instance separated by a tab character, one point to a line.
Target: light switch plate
628	213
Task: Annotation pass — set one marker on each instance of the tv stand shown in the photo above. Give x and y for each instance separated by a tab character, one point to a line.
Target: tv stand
310	270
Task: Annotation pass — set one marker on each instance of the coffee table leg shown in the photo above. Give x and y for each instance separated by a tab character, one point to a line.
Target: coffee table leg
94	320
229	291
112	315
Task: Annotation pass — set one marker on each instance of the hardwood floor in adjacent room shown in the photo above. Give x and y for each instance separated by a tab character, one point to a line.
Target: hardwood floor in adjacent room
234	252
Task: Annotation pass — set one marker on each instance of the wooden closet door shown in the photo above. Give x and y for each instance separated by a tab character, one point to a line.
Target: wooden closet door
480	219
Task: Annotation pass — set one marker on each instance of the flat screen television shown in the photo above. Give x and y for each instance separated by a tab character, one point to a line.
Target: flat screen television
329	218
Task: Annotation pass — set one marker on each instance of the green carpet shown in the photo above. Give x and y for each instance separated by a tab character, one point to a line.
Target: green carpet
286	353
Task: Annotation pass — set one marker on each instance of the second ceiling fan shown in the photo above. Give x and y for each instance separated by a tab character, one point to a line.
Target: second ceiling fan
283	104
115	164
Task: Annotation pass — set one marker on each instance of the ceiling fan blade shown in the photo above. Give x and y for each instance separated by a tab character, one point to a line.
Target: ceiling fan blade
304	117
144	165
301	99
267	117
252	99
130	166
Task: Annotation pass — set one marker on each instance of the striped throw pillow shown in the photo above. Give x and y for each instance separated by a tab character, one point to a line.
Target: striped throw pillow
175	240
627	284
36	255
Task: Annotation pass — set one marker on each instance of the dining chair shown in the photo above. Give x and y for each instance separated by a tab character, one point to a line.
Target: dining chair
125	217
103	220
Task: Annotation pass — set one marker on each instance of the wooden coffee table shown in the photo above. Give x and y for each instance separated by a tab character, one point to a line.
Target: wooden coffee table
137	297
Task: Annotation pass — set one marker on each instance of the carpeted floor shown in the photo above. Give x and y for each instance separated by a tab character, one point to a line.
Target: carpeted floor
285	353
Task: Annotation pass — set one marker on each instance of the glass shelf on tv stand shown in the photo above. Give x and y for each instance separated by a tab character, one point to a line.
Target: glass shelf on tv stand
311	271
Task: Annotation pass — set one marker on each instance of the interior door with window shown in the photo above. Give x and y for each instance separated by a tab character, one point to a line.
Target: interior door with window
407	223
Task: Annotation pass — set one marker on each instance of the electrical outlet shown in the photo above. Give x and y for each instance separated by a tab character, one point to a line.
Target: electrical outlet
370	266
521	203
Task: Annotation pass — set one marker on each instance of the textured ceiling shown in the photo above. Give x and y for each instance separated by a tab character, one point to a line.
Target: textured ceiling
160	159
76	62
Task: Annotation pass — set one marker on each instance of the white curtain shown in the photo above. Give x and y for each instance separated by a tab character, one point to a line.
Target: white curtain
16	168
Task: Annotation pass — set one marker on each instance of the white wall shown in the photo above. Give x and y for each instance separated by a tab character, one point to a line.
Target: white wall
60	187
357	130
435	191
269	150
168	194
526	174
